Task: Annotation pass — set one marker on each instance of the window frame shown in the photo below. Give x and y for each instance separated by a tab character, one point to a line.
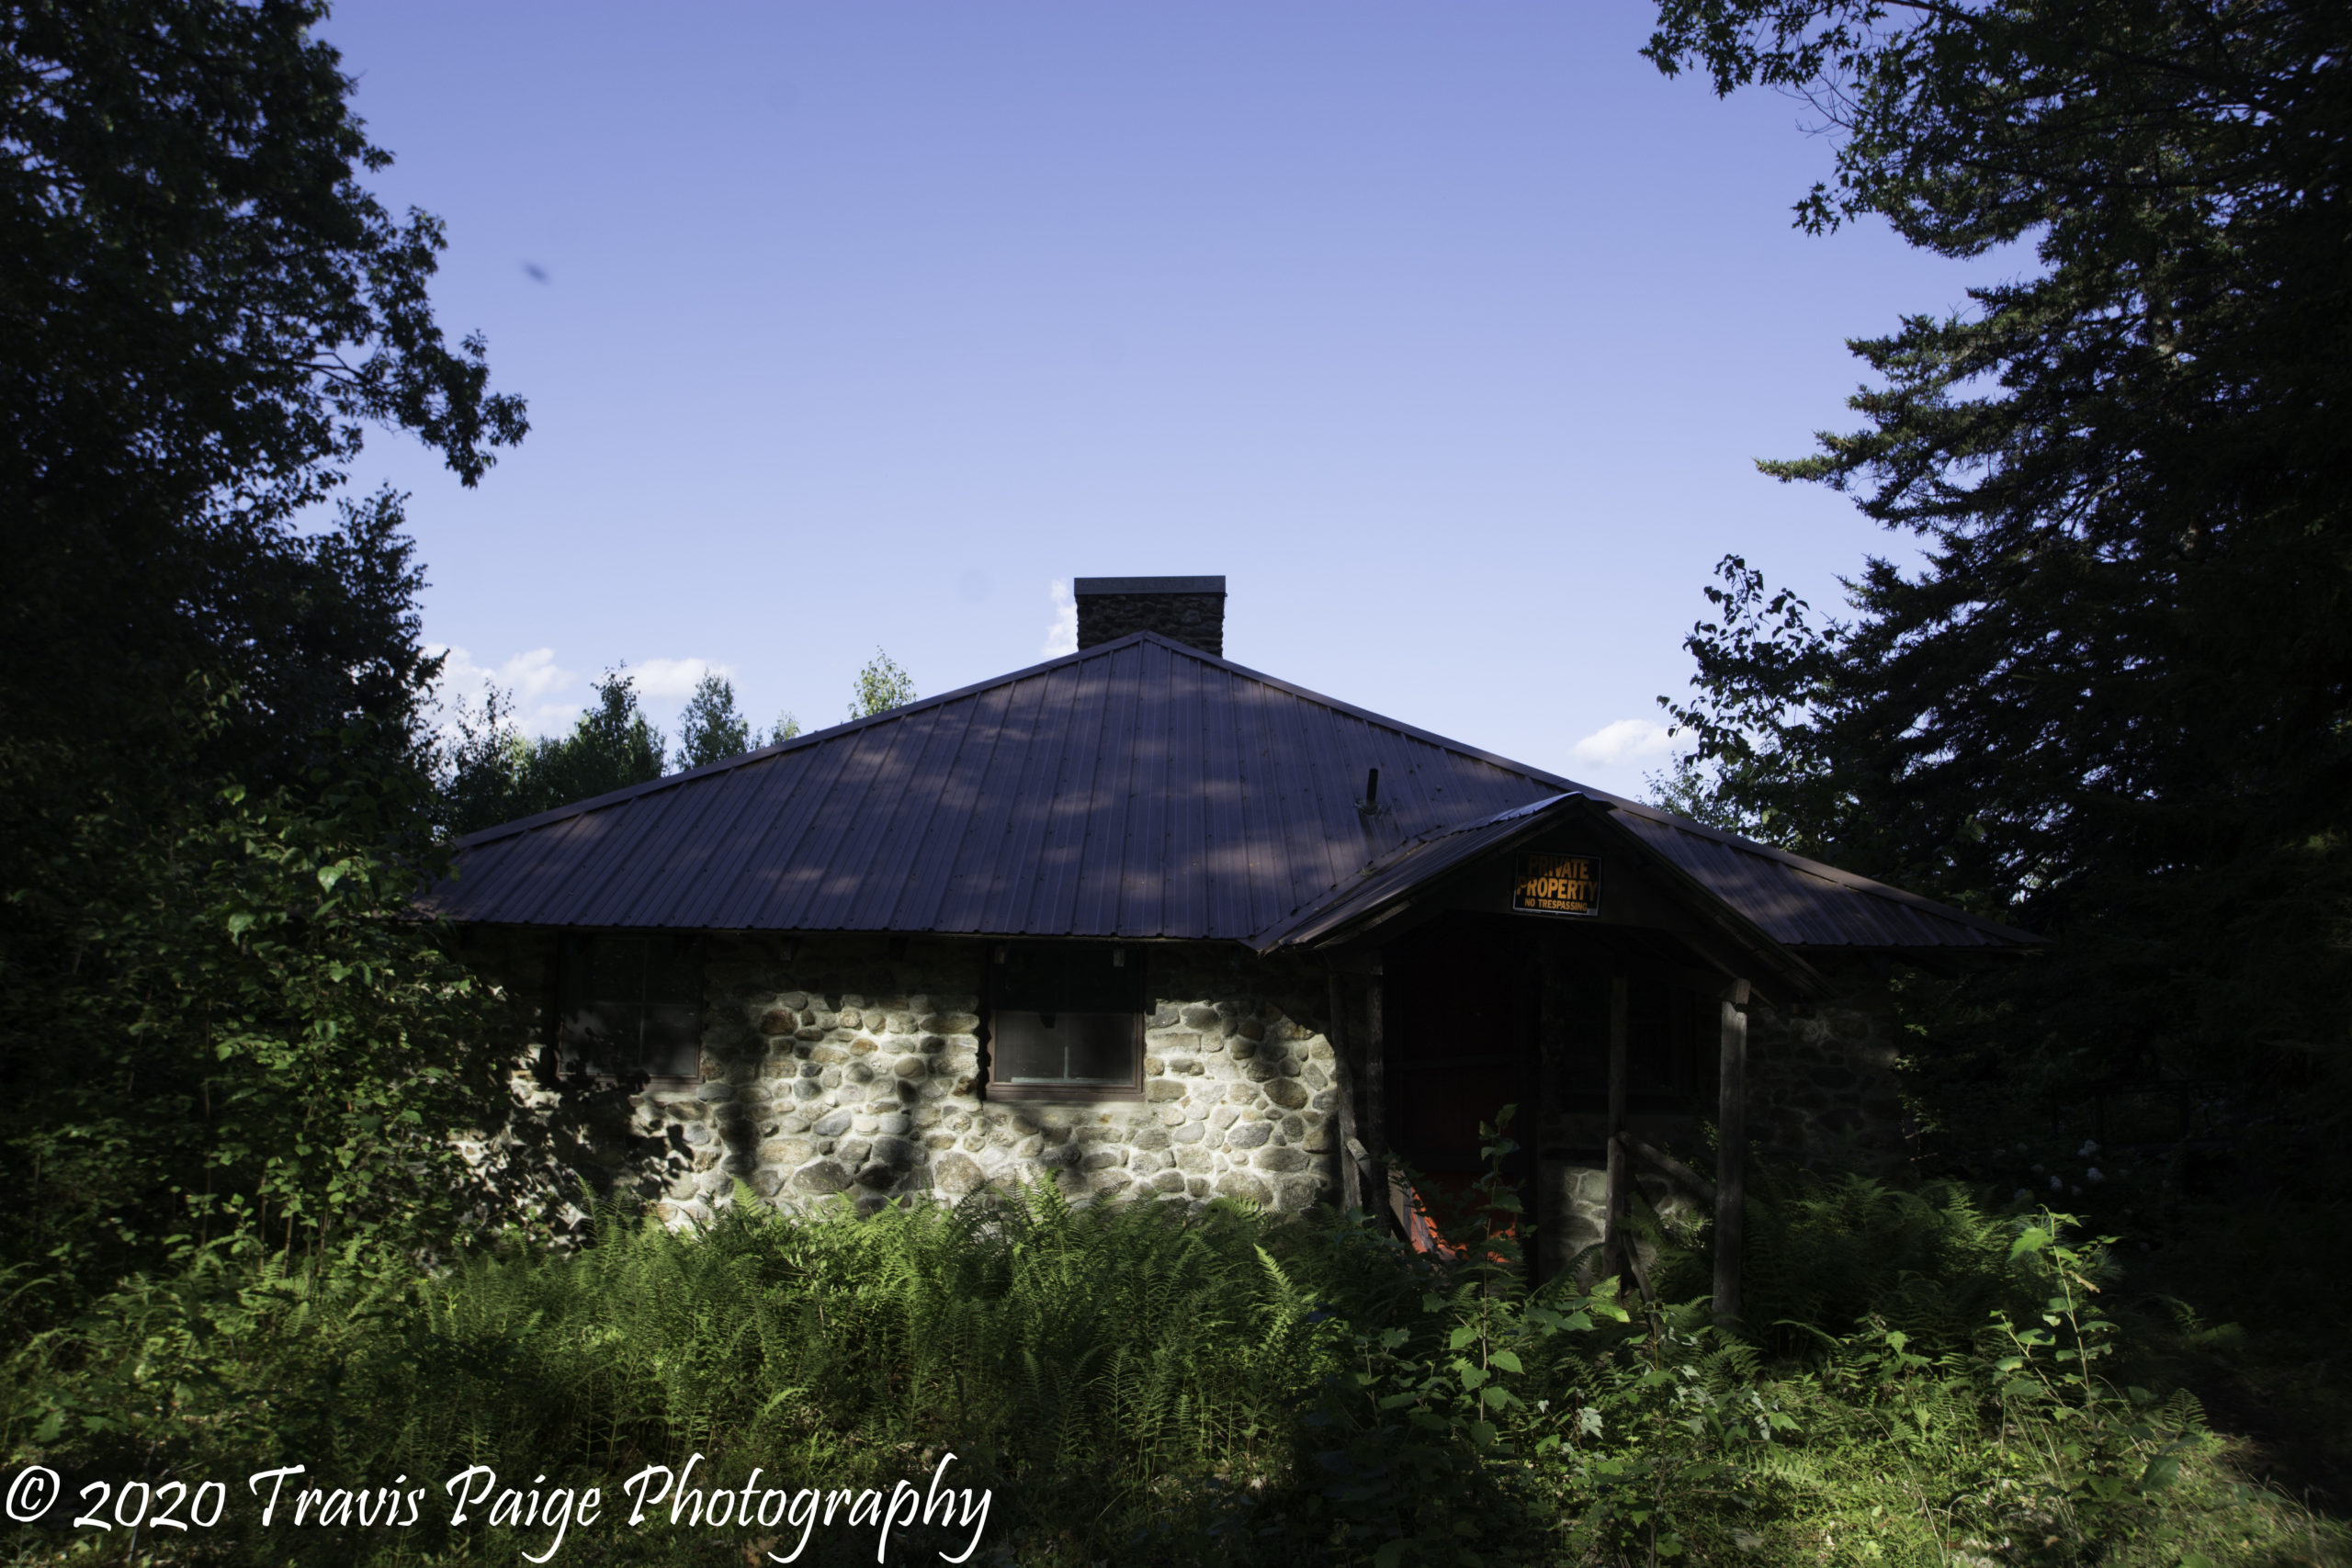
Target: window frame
696	959
1065	1093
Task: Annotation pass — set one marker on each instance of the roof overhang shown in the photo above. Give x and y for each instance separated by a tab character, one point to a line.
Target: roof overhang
1390	888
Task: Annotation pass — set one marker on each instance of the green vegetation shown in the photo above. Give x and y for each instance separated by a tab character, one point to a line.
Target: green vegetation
492	773
2113	703
489	772
237	952
1135	1385
212	796
710	729
881	686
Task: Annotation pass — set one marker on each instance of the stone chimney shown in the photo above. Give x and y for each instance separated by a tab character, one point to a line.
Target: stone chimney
1189	610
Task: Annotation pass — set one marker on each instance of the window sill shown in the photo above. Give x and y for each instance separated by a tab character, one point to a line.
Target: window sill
1063	1094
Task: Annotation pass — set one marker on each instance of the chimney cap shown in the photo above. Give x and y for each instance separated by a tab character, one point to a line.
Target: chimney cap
1082	587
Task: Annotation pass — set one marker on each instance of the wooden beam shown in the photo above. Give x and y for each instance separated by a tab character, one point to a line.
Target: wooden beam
1730	1156
1612	1229
1343	1079
1667	1165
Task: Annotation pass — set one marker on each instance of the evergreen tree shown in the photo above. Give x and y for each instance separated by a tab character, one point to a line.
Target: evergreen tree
2115	702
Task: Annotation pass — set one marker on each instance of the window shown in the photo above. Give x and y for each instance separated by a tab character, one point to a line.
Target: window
1066	1021
630	1005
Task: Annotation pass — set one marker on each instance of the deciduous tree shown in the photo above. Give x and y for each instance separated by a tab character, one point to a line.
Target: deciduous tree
204	313
211	815
491	773
712	728
881	686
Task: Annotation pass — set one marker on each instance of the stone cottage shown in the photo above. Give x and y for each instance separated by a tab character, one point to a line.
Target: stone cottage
1148	924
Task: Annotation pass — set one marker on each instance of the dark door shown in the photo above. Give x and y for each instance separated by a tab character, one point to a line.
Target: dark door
1463	1004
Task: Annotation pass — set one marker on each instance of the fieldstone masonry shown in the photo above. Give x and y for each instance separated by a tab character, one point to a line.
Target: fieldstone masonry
1822	1087
853	1070
846	1073
1821	1092
1576	1197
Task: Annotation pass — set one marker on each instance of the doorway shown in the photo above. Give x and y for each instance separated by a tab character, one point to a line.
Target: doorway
1462	1003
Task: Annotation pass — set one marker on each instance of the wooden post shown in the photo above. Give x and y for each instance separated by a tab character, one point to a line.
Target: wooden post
1344	1086
1375	1130
1731	1132
1612	1229
1545	1258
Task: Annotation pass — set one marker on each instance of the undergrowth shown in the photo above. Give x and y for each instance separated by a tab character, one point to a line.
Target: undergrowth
1925	1383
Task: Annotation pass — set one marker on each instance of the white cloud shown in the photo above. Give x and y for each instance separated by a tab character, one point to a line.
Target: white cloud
1062	635
675	680
535	681
1626	741
548	697
529	676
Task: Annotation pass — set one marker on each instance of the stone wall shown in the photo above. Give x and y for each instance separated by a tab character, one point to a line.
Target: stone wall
852	1067
1576	1205
848	1071
1822	1085
1823	1093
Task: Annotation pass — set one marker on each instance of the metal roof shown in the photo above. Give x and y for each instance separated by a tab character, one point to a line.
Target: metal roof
1138	789
1379	885
1803	903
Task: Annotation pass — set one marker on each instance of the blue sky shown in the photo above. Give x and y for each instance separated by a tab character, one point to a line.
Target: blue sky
1448	334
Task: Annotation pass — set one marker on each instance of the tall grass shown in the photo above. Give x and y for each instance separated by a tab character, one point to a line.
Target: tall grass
1139	1385
1103	1363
